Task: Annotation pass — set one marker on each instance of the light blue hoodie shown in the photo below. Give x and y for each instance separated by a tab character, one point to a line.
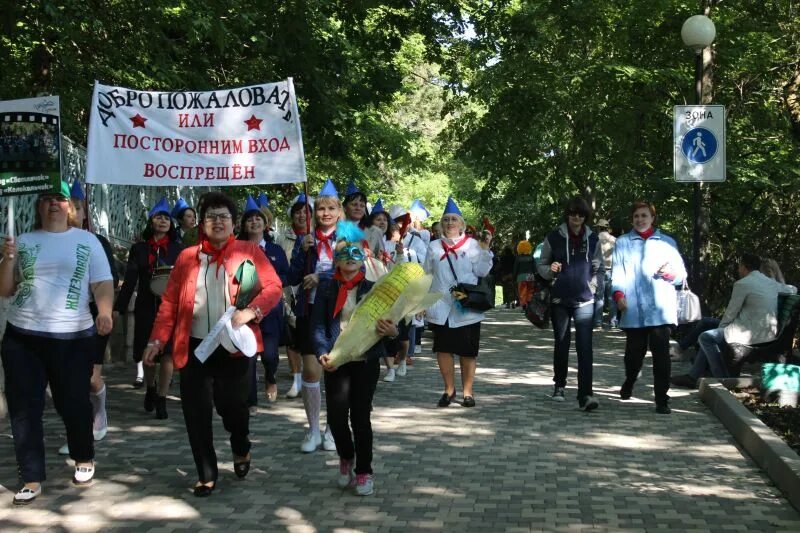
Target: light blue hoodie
652	300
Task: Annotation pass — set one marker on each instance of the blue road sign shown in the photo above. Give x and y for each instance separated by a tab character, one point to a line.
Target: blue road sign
699	145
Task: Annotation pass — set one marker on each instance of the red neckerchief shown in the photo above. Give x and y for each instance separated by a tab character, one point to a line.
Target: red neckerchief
214	254
452	249
156	248
647	233
575	240
344	286
298	234
324	242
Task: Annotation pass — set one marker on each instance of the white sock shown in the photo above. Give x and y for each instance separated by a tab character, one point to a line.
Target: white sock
140	370
99	409
312	401
298	380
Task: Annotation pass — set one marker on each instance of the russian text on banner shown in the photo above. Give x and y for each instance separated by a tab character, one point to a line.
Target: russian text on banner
30	146
243	136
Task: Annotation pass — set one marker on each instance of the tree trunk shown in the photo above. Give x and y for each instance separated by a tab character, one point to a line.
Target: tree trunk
791	92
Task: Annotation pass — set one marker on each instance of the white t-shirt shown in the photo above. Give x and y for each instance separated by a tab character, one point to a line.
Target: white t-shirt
54	273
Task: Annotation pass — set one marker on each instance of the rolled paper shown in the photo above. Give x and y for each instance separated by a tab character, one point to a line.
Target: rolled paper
403	291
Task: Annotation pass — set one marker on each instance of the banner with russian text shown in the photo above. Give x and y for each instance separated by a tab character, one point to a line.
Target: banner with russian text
30	146
243	136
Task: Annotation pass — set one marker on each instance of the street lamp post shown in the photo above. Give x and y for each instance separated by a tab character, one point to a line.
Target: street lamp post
698	33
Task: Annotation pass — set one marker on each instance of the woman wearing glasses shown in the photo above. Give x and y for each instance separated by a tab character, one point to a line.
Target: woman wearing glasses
207	279
570	259
153	256
456	258
49	338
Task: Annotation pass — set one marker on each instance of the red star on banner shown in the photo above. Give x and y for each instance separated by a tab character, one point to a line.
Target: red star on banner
138	121
253	123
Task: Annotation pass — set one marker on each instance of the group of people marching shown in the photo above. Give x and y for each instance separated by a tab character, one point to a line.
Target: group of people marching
209	303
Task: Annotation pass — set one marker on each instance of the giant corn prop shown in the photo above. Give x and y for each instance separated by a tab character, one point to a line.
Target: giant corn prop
401	292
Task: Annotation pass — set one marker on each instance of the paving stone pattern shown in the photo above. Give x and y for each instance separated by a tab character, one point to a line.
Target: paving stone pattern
516	462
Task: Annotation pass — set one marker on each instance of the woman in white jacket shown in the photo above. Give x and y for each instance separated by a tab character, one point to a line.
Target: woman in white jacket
456	331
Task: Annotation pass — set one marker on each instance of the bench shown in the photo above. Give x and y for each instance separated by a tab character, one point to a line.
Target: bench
778	350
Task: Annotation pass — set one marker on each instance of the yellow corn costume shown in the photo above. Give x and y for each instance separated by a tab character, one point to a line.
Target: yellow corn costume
401	292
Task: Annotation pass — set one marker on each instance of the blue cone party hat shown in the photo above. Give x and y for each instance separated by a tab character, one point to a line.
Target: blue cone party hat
76	191
451	208
300	199
351	189
180	205
161	207
418	210
329	189
251	204
378	207
263	201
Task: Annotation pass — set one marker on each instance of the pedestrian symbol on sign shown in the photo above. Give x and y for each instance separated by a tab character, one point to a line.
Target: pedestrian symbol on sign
699	145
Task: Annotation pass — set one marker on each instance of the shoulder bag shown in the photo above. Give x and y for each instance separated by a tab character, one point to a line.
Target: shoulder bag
478	297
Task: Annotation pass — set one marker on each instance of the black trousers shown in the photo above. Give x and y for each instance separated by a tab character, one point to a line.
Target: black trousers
222	382
31	362
348	393
636	344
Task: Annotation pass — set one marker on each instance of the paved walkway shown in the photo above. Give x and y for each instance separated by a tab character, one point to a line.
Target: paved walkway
517	461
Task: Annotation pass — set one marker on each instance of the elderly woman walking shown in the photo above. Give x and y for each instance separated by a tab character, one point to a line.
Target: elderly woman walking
456	258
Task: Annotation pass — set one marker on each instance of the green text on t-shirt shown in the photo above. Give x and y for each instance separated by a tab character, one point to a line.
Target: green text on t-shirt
27	263
74	293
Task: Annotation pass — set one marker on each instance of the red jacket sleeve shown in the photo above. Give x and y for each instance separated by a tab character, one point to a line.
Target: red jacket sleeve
168	309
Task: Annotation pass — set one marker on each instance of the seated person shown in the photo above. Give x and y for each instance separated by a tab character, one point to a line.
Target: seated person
769	267
750	318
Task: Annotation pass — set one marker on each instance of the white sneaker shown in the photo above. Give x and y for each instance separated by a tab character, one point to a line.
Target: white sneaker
675	349
590	403
402	369
294	392
83	475
418	348
347	475
365	485
64	450
389	376
558	394
328	444
24	496
311	442
99	434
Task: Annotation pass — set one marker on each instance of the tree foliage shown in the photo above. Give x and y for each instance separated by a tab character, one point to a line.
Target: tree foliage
349	61
576	97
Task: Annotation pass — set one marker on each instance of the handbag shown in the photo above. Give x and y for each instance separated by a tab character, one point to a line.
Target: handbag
537	311
478	296
688	305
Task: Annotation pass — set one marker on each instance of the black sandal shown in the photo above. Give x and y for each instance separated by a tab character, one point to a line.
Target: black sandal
446	399
203	490
241	469
469	401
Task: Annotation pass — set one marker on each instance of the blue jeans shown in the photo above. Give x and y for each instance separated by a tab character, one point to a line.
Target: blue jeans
599	299
582	317
412	339
700	327
710	355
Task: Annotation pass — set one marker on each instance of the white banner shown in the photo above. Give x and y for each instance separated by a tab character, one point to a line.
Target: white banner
244	136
